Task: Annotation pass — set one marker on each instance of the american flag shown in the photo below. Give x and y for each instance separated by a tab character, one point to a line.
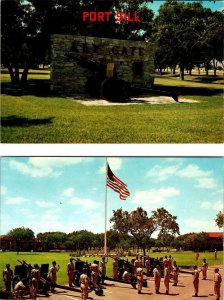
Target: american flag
116	184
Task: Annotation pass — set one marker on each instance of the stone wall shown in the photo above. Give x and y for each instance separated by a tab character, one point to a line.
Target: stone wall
133	61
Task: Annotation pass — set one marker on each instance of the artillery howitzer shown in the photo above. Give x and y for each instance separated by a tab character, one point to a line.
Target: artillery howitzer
105	82
122	266
79	266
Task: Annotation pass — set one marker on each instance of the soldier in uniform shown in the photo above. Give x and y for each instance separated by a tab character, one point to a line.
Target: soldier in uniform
53	275
126	275
147	265
175	273
204	269
70	272
195	281
35	277
7	277
170	263
94	272
137	264
139	275
21	288
115	267
84	284
103	268
217	283
157	278
166	277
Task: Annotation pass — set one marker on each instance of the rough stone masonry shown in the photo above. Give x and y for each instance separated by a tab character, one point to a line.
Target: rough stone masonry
133	61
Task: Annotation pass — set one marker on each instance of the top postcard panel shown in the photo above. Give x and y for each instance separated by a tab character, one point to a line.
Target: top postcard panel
112	71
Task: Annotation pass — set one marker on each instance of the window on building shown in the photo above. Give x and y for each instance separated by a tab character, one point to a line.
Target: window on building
138	68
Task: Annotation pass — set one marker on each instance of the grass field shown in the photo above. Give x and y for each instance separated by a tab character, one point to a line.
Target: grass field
183	259
34	115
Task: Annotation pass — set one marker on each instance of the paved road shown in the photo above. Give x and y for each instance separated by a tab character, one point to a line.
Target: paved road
118	291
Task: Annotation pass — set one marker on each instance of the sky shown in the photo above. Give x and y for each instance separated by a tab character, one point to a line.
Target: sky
217	5
68	193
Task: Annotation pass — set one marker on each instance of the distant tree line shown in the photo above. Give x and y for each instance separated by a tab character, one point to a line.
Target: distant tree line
129	231
186	34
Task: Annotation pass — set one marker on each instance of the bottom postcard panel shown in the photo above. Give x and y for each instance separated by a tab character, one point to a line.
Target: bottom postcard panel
118	227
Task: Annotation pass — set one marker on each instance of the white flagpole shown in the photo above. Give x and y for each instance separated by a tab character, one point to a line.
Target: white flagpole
105	208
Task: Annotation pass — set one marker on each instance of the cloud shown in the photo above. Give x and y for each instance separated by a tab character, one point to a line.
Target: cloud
217	206
28	213
193	171
3	190
44	166
114	162
153	197
69	192
33	171
161	173
206	183
16	200
204	179
44	204
84	204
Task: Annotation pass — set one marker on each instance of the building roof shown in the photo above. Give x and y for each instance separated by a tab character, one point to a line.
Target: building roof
215	234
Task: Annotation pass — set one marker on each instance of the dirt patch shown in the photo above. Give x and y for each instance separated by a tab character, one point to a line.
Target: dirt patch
134	100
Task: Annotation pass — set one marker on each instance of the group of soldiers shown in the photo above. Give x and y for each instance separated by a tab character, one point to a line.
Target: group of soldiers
168	268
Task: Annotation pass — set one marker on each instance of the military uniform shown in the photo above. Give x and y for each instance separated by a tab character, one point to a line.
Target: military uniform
175	274
84	284
103	269
137	264
7	277
126	276
53	276
217	283
166	279
94	272
204	269
196	281
157	278
35	276
115	268
139	275
70	272
147	266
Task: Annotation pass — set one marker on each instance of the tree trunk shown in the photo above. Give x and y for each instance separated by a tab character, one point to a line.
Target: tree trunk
24	75
190	71
181	72
11	73
214	66
16	75
174	70
198	70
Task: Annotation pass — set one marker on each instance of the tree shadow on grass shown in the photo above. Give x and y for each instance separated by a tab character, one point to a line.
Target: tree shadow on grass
16	121
33	87
188	90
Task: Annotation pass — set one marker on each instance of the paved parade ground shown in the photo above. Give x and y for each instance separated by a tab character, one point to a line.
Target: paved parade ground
118	291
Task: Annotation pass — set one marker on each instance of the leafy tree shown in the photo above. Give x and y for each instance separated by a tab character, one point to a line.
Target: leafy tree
52	239
178	30
166	239
141	227
219	220
193	241
20	234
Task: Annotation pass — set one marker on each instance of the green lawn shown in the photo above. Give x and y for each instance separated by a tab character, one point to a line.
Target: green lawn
183	259
34	115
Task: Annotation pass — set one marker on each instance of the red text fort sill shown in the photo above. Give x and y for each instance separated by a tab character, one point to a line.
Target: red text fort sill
104	16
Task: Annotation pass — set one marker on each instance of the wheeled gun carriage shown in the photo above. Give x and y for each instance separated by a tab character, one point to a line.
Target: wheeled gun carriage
122	266
79	266
105	83
45	282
